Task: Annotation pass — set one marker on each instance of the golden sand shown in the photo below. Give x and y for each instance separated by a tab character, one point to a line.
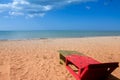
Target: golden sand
39	59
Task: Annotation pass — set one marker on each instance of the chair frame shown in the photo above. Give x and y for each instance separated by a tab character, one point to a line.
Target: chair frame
85	65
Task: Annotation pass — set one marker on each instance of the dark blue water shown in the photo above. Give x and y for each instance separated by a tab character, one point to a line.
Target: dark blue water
19	35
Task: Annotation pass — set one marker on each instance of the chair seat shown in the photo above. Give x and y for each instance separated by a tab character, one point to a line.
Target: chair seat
81	61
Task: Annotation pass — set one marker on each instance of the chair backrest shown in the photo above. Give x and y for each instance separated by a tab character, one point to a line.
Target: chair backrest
98	71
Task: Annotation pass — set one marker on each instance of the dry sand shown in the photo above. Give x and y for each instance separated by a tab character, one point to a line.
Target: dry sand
39	59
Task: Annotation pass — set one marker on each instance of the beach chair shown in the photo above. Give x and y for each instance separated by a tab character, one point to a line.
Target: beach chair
88	68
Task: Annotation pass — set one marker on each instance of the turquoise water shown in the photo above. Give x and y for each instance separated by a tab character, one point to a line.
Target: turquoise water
18	35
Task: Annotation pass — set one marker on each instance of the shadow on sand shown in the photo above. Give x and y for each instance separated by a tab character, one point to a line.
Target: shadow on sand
112	77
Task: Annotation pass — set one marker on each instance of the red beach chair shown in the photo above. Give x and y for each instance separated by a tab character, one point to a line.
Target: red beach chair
88	68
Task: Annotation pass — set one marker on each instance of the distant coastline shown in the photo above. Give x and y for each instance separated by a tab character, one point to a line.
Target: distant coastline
46	34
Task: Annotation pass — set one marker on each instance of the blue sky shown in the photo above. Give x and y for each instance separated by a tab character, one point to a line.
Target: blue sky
59	14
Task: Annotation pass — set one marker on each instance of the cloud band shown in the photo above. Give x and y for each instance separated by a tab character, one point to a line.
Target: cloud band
32	8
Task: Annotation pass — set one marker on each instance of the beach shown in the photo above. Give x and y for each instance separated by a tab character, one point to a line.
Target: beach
39	59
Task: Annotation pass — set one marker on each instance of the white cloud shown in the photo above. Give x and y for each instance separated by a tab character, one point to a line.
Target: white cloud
5	6
70	1
16	13
47	7
88	7
34	8
36	14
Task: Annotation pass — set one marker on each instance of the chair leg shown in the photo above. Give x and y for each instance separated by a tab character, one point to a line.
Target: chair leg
66	62
71	70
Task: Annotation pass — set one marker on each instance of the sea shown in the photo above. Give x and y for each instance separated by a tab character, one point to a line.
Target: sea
45	34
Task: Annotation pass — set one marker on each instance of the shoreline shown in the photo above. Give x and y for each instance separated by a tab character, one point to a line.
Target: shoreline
56	38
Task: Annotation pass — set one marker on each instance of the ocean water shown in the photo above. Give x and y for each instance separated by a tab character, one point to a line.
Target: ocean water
41	34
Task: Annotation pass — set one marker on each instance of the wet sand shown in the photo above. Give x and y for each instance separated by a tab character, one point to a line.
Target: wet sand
39	59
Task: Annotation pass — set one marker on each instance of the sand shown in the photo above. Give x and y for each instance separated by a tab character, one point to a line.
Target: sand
39	59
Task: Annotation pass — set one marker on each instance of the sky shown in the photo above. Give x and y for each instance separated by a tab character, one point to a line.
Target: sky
60	15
